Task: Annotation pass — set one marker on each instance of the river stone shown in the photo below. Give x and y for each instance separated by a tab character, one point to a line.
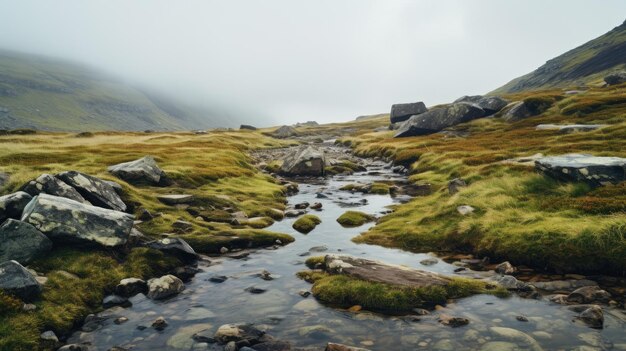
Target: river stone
131	286
340	347
48	184
593	316
304	161
616	78
176	247
570	128
500	346
94	190
380	272
68	220
115	300
505	268
12	205
164	287
143	170
238	333
490	104
21	242
589	294
439	118
517	337
19	281
402	112
593	170
285	132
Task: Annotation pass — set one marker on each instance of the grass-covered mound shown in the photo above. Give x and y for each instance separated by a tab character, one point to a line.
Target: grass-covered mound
306	223
354	218
520	216
67	298
345	291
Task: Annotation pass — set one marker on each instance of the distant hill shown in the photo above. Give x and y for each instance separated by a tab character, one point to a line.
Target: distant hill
586	64
50	94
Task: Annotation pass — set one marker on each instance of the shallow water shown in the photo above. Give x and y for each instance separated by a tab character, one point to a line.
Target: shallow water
304	322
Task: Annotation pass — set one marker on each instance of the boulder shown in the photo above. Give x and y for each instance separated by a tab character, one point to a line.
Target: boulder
130	287
164	287
584	168
305	161
247	127
490	104
437	119
616	78
63	219
516	111
570	128
285	132
21	242
505	268
142	171
19	281
402	112
589	294
592	316
94	190
51	185
176	247
12	205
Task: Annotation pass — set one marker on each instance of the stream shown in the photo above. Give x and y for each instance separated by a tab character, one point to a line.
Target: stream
304	322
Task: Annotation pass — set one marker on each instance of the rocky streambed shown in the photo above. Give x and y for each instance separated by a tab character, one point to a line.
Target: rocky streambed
261	288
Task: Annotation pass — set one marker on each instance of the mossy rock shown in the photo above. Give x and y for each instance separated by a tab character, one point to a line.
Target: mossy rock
306	223
354	218
315	262
379	188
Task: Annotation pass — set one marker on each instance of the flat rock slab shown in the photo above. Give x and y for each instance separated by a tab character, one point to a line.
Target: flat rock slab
570	128
175	199
380	272
94	190
593	170
71	221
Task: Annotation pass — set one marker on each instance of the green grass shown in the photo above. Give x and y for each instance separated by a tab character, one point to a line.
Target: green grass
354	218
345	291
306	223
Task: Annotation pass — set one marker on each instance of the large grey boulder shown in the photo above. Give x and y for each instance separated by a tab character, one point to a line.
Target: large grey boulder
49	184
402	112
285	132
12	205
17	280
440	118
616	78
490	104
63	219
21	242
584	168
516	111
142	171
306	161
94	190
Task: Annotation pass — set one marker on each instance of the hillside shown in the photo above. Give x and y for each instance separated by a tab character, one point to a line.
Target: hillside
50	94
586	64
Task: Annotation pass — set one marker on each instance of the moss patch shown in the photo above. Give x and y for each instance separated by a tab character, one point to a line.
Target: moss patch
306	223
345	291
354	218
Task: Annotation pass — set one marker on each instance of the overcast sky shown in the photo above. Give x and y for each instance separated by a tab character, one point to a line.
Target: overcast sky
286	61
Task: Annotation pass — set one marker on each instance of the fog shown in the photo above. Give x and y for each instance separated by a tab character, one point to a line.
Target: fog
287	61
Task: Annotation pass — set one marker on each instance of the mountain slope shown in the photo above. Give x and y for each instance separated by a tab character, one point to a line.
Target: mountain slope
50	94
585	64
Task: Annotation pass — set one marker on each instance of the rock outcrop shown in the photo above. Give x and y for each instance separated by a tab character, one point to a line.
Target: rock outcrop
49	184
142	171
62	219
593	170
615	78
437	119
402	112
17	280
304	161
12	205
21	242
96	191
516	111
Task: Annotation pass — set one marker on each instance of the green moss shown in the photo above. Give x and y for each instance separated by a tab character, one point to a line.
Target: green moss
306	223
315	262
354	219
234	239
345	291
379	188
